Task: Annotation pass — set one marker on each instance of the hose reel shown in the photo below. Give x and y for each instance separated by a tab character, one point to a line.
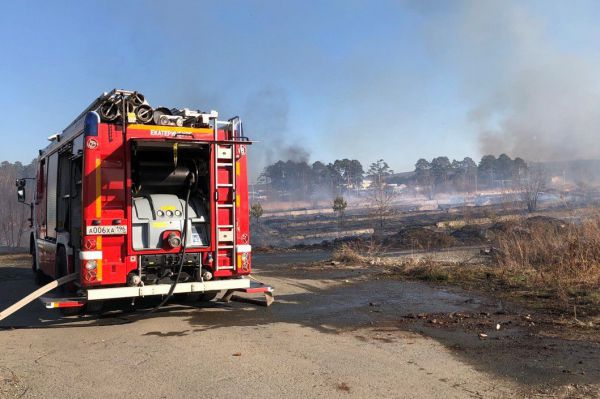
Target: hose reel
112	108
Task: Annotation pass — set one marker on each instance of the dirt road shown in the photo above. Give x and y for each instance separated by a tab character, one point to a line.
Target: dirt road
331	333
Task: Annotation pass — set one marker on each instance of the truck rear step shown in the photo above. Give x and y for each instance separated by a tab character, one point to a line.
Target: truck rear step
255	288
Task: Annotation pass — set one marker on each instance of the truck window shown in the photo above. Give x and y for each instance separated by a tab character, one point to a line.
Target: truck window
41	181
51	197
63	191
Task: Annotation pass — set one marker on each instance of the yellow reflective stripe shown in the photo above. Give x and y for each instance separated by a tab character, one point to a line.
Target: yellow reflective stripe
237	168
98	189
237	200
98	215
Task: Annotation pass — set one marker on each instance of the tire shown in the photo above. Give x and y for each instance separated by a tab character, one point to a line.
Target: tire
40	278
34	268
61	262
182	298
38	275
208	296
71	311
62	268
93	307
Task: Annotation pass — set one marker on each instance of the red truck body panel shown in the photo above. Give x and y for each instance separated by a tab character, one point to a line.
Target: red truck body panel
106	200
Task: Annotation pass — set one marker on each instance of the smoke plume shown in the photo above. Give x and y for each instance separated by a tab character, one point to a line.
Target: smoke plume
266	116
530	96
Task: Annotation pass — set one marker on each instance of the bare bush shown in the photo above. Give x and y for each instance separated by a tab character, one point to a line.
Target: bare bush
256	212
339	207
380	199
359	251
532	186
561	257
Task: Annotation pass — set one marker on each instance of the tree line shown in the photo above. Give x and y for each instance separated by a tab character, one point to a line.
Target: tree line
300	180
291	179
442	175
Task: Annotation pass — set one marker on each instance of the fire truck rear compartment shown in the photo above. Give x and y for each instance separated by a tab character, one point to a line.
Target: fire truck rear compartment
161	174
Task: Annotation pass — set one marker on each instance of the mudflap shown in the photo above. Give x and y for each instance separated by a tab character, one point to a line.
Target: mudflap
255	288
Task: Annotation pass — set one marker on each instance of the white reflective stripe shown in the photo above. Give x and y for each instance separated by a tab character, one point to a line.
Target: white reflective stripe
163	289
89	255
244	248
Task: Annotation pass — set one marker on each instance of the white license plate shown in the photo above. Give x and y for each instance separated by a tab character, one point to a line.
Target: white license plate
105	230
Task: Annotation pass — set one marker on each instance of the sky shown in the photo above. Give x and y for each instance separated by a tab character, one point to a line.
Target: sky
398	80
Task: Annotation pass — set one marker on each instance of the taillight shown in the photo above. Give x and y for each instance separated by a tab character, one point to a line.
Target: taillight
244	258
90	243
90	269
91	264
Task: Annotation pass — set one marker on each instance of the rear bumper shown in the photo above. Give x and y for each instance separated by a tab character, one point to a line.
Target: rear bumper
163	289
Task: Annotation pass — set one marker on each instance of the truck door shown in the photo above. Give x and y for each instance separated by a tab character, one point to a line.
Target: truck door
48	238
40	209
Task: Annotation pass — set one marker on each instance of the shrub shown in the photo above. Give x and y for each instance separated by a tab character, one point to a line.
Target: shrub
564	257
358	251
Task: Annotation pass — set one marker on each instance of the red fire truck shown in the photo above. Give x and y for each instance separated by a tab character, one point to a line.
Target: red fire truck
135	201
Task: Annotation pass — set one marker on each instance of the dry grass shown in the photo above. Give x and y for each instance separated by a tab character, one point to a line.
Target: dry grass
563	258
428	269
541	261
419	238
359	251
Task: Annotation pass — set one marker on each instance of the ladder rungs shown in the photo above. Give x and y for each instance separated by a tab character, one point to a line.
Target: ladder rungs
225	226
224	246
224	164
224	185
224	205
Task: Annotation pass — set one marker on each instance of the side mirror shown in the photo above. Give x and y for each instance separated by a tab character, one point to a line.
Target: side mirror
21	195
20	183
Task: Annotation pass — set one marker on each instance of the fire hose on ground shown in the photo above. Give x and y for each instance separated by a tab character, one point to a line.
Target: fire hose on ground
37	293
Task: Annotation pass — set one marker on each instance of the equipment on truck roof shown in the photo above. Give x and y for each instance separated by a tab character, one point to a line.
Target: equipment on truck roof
116	105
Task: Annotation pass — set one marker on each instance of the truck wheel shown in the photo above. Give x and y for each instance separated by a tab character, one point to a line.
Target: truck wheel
61	262
38	275
208	296
34	268
71	311
182	298
40	278
62	267
94	307
32	253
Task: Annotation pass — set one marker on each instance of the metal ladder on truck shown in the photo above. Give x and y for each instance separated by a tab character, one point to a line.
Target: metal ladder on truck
225	197
226	207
